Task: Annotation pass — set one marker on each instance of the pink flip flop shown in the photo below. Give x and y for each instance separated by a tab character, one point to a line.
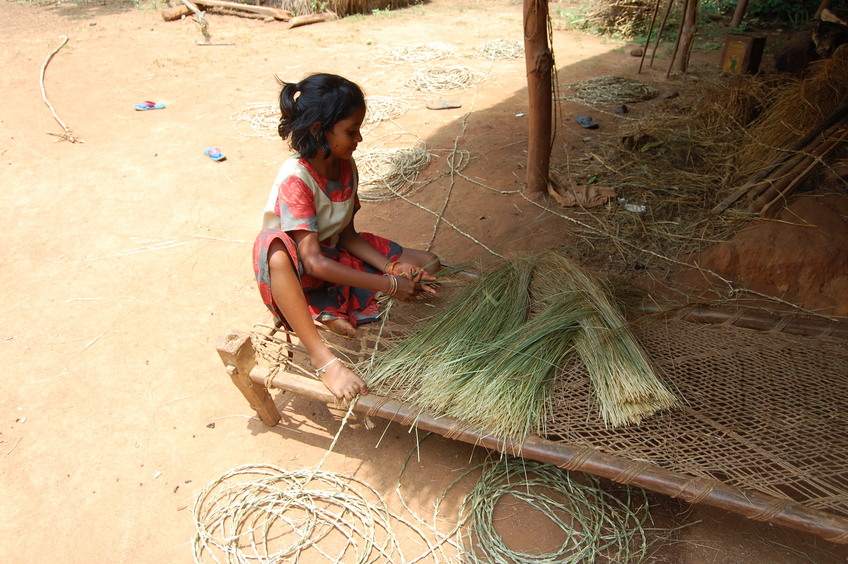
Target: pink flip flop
148	106
215	154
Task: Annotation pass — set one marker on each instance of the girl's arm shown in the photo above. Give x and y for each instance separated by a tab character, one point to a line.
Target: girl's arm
361	249
317	265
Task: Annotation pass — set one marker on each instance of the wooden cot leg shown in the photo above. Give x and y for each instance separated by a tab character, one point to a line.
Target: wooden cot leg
236	350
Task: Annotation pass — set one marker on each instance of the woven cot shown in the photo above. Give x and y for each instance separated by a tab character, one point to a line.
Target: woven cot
763	432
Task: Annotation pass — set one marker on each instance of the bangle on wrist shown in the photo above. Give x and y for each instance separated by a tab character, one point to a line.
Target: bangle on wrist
393	284
390	267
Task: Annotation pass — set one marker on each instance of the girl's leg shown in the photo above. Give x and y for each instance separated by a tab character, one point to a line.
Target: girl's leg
288	295
340	326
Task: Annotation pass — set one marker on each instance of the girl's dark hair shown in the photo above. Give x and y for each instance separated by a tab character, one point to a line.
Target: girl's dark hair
321	98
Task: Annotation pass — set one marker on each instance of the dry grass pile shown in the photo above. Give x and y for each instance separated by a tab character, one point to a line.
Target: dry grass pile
673	162
491	357
796	109
623	18
683	156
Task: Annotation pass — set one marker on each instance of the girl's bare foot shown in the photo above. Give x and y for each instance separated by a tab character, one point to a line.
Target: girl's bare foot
341	381
340	327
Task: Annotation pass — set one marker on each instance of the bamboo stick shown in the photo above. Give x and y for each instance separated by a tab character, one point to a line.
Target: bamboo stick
780	192
792	168
765	190
789	324
754	188
809	145
660	32
648	40
677	39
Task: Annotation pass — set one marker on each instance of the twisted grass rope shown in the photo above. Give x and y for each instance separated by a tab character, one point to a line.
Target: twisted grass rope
417	53
443	79
386	174
381	108
264	513
610	90
262	119
501	49
593	522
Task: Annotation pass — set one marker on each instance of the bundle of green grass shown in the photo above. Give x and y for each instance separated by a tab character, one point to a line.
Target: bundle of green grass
490	359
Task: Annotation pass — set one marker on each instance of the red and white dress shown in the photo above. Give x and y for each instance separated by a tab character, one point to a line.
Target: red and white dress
302	199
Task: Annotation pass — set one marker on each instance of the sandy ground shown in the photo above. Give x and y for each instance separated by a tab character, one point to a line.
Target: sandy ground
125	257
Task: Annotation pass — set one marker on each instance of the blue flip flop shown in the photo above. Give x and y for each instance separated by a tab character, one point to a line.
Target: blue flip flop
148	106
586	122
215	154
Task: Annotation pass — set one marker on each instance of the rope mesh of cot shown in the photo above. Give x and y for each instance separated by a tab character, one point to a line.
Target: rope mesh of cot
765	411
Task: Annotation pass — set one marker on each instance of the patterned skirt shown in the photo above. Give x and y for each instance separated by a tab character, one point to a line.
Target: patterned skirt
325	300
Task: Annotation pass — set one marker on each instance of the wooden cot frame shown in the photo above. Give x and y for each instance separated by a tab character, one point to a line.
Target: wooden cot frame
238	355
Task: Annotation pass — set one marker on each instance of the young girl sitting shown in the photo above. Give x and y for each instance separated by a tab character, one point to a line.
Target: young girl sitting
309	260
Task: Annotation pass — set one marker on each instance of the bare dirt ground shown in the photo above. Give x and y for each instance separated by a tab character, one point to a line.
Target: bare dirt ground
126	256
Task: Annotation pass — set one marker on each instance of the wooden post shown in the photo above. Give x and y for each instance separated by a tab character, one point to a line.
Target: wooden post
739	13
236	350
539	61
687	36
822	7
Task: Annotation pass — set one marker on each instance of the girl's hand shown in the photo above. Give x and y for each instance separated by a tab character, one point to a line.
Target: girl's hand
414	274
407	289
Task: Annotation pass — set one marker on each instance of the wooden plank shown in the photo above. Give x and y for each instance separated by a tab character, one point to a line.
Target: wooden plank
236	350
175	13
276	13
309	19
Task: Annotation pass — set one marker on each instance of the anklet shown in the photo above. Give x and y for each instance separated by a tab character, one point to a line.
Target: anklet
323	369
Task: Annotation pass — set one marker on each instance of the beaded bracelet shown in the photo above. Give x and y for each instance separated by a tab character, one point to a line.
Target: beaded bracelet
393	284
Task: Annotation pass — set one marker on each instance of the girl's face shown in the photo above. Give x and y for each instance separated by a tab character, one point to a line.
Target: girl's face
345	135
